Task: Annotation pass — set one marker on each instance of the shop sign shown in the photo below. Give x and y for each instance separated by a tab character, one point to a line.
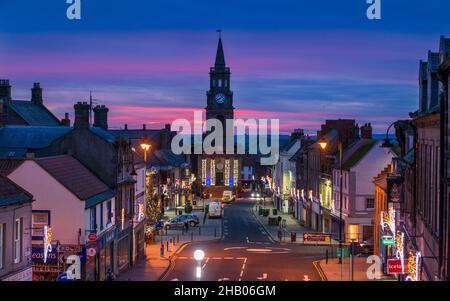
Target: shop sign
316	237
394	188
396	266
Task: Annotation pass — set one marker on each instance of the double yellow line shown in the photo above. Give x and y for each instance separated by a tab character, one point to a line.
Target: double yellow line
319	270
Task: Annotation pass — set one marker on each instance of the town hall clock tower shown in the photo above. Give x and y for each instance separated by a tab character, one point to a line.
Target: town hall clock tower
219	172
219	97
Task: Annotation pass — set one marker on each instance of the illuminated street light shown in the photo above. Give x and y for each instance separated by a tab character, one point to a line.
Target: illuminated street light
145	145
322	143
198	256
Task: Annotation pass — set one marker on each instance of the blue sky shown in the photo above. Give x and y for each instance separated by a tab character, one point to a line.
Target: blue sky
301	61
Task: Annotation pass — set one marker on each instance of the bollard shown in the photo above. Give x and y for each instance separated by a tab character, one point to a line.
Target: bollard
162	250
178	238
167	246
192	236
326	256
166	231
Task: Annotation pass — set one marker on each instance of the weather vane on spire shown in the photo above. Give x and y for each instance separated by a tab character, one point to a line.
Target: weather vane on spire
220	32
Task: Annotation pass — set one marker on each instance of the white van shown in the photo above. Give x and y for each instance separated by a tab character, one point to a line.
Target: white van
215	209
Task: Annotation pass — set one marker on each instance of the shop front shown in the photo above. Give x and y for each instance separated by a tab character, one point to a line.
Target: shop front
123	251
47	266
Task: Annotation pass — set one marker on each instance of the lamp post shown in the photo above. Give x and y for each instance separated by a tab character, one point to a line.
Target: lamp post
323	145
145	145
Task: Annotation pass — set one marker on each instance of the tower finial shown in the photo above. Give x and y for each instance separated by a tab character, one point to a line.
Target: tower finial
220	32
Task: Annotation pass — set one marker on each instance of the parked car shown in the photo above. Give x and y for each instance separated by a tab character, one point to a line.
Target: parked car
182	222
215	209
228	197
191	219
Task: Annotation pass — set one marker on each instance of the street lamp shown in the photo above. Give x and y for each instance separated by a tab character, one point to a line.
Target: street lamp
323	145
145	145
198	256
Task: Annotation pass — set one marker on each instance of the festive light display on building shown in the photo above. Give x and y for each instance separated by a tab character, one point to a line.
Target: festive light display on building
388	219
204	171
213	172
414	266
236	170
227	172
122	216
47	241
399	253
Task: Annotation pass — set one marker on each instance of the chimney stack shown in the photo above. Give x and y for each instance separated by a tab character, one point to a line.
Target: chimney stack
65	121
366	131
36	94
144	127
5	90
126	127
101	117
81	115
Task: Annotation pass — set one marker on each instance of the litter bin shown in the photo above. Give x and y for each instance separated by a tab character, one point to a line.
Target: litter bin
274	211
180	212
260	211
293	237
266	212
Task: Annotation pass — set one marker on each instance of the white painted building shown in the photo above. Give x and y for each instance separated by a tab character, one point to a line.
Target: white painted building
73	203
362	162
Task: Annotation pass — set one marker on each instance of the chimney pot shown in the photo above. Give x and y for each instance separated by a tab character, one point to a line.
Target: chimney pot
144	127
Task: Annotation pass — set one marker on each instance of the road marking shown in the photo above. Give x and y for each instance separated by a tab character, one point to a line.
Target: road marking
217	258
234	248
228	258
183	257
204	265
240	275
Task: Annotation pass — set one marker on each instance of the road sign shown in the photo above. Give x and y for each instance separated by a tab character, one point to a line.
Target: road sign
91	252
387	241
346	252
316	237
394	266
159	225
92	237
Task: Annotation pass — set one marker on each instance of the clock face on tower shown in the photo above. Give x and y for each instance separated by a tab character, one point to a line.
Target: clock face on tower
220	98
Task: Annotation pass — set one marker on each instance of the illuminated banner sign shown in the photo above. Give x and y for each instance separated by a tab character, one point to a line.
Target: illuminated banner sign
316	237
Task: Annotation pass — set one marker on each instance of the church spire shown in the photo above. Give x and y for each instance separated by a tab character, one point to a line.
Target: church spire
220	57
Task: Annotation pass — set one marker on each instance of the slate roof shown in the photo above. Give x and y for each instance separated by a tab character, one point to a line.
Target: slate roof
74	176
30	137
167	158
34	114
12	194
357	152
8	165
16	140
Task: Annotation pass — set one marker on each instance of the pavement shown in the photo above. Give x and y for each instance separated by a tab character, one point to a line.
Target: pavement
333	271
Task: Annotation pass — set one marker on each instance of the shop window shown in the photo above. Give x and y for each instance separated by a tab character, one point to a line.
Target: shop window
353	232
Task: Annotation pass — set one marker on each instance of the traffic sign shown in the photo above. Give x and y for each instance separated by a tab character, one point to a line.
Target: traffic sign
92	237
387	241
159	225
91	252
316	237
63	277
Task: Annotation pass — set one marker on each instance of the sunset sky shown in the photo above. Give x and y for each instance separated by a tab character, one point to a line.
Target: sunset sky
297	60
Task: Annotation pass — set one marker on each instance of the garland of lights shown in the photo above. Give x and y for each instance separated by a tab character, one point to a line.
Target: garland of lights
47	241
